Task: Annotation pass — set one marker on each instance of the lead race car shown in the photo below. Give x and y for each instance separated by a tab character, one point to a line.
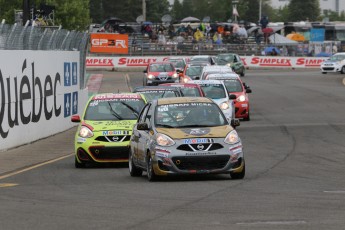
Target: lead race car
185	135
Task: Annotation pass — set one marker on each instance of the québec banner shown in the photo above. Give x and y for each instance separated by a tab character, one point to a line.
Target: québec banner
39	92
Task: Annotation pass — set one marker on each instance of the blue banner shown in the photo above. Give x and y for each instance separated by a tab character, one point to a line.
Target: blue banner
317	35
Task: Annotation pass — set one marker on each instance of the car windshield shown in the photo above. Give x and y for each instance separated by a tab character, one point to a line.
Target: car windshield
337	57
193	71
189	115
199	59
190	92
233	85
114	109
177	63
151	95
161	68
213	91
225	58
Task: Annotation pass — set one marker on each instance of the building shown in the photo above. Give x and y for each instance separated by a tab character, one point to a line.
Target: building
325	5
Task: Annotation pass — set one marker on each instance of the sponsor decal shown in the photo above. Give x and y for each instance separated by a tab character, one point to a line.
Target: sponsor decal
99	62
81	140
116	96
70	79
244	61
267	61
200	153
197	132
197	141
115	132
135	61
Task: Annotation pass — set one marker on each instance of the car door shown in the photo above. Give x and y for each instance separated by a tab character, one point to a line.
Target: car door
144	136
136	135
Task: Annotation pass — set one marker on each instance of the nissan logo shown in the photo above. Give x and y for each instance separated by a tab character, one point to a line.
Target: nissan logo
200	147
115	138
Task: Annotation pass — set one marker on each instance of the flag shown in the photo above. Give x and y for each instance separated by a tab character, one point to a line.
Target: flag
234	11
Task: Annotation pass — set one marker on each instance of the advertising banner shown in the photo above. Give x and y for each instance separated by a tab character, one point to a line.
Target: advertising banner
109	43
38	94
249	61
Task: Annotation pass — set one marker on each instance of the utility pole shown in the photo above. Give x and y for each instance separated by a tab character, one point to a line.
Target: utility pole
260	9
26	11
144	10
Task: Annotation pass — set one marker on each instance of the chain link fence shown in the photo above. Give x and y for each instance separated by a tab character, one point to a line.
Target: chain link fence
18	37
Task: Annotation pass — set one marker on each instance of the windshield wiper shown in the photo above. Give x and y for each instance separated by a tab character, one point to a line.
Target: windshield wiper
165	126
135	112
114	113
193	126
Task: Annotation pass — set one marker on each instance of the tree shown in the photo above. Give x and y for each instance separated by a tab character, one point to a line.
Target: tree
177	10
303	10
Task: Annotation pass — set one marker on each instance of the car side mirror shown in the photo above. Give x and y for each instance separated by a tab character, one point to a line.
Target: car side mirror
145	71
142	126
75	118
178	71
248	90
235	122
232	96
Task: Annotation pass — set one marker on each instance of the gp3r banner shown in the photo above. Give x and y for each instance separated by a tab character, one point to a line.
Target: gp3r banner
109	43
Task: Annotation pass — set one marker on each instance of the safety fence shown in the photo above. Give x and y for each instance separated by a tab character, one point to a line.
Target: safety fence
18	37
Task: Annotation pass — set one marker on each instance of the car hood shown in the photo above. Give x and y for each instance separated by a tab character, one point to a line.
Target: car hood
111	125
220	100
330	62
196	132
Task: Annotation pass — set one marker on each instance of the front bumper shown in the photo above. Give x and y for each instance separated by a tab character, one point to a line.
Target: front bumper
157	81
219	158
330	68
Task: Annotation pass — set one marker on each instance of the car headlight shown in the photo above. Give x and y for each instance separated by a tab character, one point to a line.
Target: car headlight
224	106
185	80
229	64
164	140
175	75
232	138
85	132
150	76
241	98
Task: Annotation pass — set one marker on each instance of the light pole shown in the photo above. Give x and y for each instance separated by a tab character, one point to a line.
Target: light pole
234	3
144	10
260	9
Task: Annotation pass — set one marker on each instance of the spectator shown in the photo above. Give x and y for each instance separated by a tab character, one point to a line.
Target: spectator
189	30
179	41
171	31
264	22
161	39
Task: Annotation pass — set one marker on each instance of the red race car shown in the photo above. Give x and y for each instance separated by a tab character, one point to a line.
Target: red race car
235	86
188	89
160	72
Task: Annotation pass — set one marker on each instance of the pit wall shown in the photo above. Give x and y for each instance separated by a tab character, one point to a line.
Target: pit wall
39	92
249	62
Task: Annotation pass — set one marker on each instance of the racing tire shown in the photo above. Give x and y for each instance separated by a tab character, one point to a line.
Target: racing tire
134	171
247	118
342	69
240	175
77	164
324	72
151	176
242	73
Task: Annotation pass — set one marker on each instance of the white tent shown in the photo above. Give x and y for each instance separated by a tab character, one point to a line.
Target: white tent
281	40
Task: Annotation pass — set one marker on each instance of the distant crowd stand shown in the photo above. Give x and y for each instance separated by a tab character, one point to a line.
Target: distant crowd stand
206	38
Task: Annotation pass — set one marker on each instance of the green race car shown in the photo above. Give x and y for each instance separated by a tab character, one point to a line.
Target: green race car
232	60
106	127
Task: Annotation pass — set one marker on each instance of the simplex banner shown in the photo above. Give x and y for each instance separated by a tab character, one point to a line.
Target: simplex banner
39	92
249	61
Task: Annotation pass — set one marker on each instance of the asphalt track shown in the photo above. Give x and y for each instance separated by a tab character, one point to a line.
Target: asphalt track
295	156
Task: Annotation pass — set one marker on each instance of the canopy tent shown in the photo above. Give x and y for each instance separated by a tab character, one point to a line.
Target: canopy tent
280	39
190	19
296	37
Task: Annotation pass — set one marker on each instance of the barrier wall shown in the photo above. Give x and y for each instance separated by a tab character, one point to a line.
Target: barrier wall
39	92
249	61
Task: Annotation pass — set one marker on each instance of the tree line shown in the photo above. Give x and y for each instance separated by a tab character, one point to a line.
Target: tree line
78	14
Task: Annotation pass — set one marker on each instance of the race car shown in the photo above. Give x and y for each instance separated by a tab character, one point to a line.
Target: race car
187	135
235	86
188	89
160	72
334	64
232	60
105	128
160	91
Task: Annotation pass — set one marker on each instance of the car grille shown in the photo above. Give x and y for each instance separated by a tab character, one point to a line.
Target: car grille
109	153
328	68
119	138
200	162
163	77
200	147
